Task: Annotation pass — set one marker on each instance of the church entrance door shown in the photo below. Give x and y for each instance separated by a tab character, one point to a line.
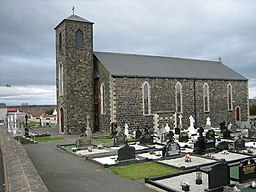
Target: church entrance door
238	114
61	120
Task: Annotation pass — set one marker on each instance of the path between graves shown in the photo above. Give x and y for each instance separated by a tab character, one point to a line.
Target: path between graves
64	172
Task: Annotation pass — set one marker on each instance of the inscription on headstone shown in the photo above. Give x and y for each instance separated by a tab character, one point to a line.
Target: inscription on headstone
171	149
247	170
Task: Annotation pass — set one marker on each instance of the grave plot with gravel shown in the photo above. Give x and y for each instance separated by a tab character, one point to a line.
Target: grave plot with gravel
230	156
174	183
195	161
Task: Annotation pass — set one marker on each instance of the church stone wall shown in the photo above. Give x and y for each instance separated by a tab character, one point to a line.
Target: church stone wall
129	108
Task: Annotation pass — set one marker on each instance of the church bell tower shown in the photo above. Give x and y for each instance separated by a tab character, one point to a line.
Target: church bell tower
74	74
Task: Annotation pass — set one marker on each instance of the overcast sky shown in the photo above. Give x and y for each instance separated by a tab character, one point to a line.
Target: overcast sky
178	28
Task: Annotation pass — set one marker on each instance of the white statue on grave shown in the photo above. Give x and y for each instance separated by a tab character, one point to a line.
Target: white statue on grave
229	126
88	129
180	123
167	128
191	128
208	121
126	131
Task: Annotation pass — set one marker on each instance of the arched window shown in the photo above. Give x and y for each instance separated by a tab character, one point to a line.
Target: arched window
61	84
146	98
178	91
102	97
206	97
229	95
79	39
60	42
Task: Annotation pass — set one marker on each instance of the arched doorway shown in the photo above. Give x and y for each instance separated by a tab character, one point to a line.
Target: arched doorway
61	120
238	114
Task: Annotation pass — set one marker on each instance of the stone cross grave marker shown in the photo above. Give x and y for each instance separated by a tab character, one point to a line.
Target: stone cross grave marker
126	130
125	153
247	170
180	121
226	134
138	133
218	175
208	123
146	137
223	126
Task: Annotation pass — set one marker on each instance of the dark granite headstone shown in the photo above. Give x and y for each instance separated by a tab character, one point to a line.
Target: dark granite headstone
199	147
138	133
26	132
169	136
146	138
183	137
223	126
209	146
218	175
177	131
126	152
252	133
239	144
247	170
222	146
171	149
200	131
113	130
226	134
210	135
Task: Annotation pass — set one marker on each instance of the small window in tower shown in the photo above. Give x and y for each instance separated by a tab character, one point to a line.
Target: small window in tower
60	42
229	95
206	97
79	39
102	96
61	84
178	91
146	98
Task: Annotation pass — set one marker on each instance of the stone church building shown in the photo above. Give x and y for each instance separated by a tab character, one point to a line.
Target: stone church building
143	91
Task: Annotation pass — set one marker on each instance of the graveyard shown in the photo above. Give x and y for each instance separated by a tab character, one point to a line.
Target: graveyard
189	159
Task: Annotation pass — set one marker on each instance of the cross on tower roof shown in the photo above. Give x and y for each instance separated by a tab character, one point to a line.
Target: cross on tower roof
73	9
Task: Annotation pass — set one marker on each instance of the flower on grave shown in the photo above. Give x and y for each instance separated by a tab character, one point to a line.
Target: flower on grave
100	146
225	152
187	158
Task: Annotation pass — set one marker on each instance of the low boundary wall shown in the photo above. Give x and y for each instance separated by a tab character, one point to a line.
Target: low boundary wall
19	171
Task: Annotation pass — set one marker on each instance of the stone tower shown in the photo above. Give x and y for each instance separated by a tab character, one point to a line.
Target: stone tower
74	74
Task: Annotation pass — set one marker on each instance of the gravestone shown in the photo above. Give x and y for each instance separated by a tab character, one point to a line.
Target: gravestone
183	137
171	149
138	133
222	146
223	126
252	133
119	138
226	134
146	138
177	131
83	142
113	128
209	146
199	146
167	128
125	153
208	123
247	170
169	136
126	130
239	144
210	135
234	127
218	175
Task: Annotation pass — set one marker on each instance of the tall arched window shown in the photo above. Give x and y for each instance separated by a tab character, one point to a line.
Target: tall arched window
229	95
79	39
146	98
60	42
61	84
178	91
206	97
102	99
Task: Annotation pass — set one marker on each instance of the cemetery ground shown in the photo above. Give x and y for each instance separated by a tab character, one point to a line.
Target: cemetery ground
165	164
65	172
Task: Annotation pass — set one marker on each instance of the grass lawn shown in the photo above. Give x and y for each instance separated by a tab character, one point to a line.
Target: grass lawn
142	170
32	124
103	140
44	139
248	190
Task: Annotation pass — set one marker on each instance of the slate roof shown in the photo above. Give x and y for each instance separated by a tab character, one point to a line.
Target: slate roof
74	18
131	65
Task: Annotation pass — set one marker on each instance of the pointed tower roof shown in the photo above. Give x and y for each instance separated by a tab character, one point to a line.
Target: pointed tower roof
74	17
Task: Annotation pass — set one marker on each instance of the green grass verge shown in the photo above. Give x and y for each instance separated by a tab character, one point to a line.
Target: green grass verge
44	139
248	190
142	170
33	124
103	140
